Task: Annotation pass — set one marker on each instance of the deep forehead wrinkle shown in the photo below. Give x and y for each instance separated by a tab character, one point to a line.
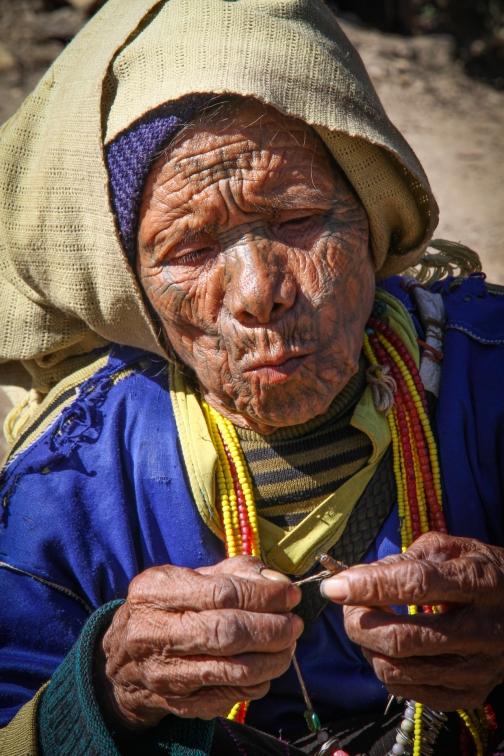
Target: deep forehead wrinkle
244	153
256	200
270	172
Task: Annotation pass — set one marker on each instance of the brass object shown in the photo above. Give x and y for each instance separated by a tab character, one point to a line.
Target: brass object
332	567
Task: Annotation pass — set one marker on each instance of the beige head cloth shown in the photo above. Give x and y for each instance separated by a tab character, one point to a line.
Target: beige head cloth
65	285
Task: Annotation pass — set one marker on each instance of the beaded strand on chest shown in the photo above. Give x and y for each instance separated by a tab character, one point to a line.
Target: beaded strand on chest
418	478
239	516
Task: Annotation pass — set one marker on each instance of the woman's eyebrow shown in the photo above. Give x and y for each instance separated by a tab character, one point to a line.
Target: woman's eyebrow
309	200
177	233
194	233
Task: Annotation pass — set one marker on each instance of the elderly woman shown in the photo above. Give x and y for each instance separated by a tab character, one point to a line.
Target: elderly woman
197	202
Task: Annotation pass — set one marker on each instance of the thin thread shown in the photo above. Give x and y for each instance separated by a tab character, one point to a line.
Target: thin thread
302	683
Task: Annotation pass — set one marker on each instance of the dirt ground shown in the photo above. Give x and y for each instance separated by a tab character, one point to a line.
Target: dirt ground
456	127
454	124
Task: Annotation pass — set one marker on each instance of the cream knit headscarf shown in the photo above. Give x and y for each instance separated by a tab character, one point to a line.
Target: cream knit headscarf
65	284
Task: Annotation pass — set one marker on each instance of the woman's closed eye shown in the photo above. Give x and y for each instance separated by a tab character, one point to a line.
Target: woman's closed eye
297	227
196	255
192	252
297	222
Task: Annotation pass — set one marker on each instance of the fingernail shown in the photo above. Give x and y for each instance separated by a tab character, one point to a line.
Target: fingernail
335	589
300	625
274	575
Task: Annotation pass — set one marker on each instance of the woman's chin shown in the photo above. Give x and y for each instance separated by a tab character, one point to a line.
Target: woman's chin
265	400
280	409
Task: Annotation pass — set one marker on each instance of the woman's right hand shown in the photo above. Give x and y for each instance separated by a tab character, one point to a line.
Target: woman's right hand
195	642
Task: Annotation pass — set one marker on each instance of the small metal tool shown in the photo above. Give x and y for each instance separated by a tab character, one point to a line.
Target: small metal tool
332	567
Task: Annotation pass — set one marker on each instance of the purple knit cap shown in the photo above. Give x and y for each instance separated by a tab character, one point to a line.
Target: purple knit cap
131	154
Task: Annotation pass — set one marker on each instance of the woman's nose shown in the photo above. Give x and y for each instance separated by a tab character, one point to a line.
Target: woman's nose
259	287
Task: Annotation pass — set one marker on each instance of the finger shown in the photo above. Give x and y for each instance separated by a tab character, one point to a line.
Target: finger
178	589
438	547
409	581
241	566
401	636
218	700
441	699
449	671
142	708
215	633
433	546
209	703
180	677
246	567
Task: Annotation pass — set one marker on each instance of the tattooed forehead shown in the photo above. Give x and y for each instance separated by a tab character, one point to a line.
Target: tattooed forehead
269	172
203	186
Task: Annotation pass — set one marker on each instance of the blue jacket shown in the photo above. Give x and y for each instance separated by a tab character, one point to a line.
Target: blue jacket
102	495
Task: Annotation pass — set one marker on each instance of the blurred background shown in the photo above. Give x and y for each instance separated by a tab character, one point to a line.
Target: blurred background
438	67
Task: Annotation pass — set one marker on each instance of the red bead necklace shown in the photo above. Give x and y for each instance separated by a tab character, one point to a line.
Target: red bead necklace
418	479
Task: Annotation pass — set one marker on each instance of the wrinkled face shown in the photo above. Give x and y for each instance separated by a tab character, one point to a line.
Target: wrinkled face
254	254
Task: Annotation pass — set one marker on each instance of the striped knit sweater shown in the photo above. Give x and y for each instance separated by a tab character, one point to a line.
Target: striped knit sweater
296	468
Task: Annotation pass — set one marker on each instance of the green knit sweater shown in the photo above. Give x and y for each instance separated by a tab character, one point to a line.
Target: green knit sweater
70	721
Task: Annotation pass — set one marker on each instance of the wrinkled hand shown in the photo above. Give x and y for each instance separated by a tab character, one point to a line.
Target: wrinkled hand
447	661
195	642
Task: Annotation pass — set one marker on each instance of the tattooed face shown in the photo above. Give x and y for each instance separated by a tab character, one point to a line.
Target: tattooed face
254	254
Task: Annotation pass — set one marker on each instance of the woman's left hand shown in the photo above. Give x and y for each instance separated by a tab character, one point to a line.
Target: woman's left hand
447	661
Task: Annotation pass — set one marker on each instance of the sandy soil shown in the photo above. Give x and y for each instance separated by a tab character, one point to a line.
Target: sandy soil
455	125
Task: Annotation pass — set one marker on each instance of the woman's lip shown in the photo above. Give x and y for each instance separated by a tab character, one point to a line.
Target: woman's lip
278	371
